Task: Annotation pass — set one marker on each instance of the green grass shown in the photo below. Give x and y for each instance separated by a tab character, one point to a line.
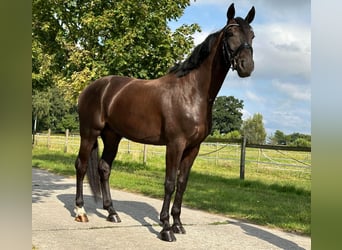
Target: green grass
267	196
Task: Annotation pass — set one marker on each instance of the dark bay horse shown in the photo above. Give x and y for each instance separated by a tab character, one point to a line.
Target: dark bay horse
174	110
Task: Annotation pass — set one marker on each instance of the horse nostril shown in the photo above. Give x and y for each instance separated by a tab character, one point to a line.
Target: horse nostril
246	64
242	63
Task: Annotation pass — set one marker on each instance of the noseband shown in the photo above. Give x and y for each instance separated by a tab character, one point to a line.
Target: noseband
229	54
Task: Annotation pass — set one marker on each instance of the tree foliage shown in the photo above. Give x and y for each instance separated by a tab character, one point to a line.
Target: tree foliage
77	41
253	129
294	139
227	115
50	110
216	136
279	138
301	142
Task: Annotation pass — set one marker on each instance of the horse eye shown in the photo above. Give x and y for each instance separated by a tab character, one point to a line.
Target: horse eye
229	34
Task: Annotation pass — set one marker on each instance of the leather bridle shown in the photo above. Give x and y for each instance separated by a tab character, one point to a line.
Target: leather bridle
229	54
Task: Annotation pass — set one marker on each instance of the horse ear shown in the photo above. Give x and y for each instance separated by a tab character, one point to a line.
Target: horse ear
250	16
231	12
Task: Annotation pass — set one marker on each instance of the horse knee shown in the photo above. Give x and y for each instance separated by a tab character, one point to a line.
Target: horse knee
77	163
169	187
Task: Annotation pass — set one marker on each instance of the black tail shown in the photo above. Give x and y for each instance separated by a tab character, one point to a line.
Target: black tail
93	173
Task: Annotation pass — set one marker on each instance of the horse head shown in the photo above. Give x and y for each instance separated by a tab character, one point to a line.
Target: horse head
237	42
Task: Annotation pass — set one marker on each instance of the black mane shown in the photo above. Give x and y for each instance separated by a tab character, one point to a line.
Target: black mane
199	54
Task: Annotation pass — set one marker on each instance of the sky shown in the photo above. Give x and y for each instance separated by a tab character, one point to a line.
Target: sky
280	87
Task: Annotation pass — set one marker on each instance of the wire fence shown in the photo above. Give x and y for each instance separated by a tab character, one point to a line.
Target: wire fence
228	154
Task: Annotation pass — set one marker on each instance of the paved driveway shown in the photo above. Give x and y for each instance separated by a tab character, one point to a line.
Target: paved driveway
53	225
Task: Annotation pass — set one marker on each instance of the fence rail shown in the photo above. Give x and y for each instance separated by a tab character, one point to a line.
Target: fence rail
260	156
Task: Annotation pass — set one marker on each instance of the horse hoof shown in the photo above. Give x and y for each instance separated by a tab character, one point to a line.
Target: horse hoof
178	229
81	218
167	236
114	218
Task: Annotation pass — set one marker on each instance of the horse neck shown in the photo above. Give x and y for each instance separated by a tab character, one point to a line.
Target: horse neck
213	71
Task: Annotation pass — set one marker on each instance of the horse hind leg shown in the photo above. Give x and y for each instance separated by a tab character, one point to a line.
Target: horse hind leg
81	165
111	142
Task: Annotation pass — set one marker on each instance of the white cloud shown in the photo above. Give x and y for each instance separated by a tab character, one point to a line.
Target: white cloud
285	10
211	2
295	91
290	121
232	80
254	97
245	114
282	46
199	37
282	50
270	10
279	87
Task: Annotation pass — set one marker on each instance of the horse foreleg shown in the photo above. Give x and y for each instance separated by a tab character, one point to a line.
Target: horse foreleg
173	157
167	234
182	180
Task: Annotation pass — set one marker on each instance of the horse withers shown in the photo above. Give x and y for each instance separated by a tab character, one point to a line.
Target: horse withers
174	110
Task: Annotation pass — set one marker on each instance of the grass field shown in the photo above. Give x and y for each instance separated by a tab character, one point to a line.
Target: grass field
273	195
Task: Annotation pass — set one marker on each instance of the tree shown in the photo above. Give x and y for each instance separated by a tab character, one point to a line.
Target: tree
227	114
279	138
301	142
40	108
294	136
298	139
50	110
253	129
294	139
77	41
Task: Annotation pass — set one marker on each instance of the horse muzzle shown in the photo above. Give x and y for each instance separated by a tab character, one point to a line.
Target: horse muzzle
244	67
242	60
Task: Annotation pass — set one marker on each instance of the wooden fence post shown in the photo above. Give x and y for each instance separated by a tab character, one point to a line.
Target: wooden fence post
259	153
66	140
34	130
145	154
242	158
217	154
48	138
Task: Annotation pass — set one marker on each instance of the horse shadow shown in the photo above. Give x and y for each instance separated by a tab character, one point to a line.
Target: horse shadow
43	182
141	212
266	236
